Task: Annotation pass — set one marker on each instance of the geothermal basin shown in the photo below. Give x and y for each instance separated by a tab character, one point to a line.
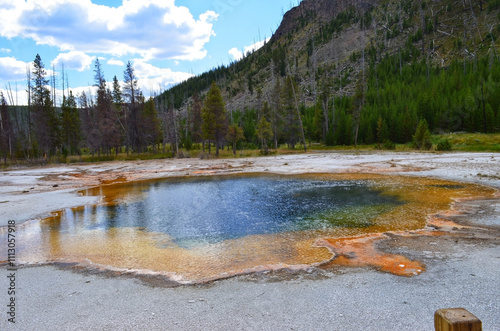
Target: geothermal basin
197	229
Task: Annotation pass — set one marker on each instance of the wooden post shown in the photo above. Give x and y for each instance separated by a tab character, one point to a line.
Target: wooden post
456	319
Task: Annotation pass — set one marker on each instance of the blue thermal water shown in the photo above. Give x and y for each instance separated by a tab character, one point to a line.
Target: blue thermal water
209	210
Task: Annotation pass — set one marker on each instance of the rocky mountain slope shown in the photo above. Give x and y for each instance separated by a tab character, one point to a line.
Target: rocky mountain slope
327	45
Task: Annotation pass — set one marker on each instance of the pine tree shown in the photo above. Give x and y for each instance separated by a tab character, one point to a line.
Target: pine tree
319	132
40	82
291	120
46	121
235	135
70	125
117	93
382	132
497	121
120	111
358	104
264	132
109	132
275	116
490	119
196	120
213	113
6	132
131	93
170	128
345	129
150	127
325	92
422	137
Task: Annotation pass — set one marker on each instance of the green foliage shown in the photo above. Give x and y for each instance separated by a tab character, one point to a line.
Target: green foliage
344	132
489	119
337	24
234	135
70	125
429	25
289	112
187	143
150	127
310	47
47	129
422	137
264	132
117	93
493	5
6	130
497	121
389	145
279	60
443	145
248	122
382	131
400	87
315	125
213	113
416	37
473	142
250	83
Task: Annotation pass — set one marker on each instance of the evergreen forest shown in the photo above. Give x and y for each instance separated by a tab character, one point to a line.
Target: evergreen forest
381	94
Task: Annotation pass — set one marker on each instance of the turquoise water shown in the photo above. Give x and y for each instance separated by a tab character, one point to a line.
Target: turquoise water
210	210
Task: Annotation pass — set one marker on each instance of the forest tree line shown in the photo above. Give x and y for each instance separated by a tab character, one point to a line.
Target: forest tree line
113	120
387	108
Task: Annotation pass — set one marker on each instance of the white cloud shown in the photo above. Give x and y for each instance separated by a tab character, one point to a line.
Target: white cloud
12	69
114	62
20	97
9	12
151	78
238	55
5	50
90	91
151	28
73	60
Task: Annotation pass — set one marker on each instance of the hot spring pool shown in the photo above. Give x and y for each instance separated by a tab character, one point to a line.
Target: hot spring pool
200	228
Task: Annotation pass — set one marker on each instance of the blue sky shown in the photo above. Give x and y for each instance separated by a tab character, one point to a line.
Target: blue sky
167	41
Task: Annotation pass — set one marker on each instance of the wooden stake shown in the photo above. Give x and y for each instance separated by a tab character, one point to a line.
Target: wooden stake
456	319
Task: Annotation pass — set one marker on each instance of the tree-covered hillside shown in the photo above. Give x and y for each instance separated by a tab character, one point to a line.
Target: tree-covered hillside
366	72
335	72
329	42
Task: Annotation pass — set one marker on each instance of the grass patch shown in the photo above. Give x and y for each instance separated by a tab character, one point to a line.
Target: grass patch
115	157
471	142
463	142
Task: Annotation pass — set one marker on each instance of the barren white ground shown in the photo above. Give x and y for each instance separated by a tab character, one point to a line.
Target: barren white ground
462	274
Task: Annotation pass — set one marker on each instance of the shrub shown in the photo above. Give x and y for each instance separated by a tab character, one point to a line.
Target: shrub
422	137
444	145
267	153
183	155
187	143
204	156
389	145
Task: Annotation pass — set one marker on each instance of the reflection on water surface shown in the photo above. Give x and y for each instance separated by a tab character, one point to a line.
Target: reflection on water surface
204	228
211	210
